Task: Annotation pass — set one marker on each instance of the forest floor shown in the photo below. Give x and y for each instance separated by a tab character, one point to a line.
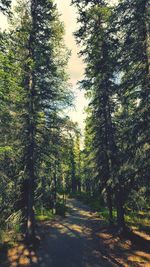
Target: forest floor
81	239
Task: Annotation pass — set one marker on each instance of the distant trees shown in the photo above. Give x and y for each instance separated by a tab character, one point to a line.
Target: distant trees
71	161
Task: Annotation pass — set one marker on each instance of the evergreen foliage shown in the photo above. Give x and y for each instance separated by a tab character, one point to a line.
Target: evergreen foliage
41	154
115	47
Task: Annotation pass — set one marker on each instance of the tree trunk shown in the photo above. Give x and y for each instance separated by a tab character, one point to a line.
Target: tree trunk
110	205
120	209
30	227
79	186
73	172
31	132
107	167
55	188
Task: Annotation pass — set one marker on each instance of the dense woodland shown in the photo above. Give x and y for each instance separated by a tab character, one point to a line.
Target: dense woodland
41	157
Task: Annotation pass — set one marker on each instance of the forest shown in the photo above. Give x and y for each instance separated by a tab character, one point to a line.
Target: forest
45	159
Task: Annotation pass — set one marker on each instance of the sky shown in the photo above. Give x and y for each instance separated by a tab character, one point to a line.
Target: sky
75	68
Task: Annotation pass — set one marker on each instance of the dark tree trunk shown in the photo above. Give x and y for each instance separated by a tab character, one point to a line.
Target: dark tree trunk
107	166
30	160
73	172
31	132
120	209
30	228
55	188
73	184
110	205
79	186
87	187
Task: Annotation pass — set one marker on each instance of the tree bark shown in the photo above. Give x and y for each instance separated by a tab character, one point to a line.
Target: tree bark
120	209
31	131
73	172
110	205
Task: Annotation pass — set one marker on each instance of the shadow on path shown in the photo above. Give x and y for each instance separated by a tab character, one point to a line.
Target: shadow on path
80	240
70	242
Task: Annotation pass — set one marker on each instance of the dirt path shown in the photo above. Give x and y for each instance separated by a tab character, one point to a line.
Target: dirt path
80	240
71	242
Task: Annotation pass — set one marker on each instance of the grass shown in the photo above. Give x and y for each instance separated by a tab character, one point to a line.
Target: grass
43	214
139	220
10	237
11	233
11	229
104	214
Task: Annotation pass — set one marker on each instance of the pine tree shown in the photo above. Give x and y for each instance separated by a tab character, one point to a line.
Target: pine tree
131	23
95	38
44	80
38	47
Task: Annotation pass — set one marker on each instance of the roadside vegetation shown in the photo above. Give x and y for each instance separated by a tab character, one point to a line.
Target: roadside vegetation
136	219
43	154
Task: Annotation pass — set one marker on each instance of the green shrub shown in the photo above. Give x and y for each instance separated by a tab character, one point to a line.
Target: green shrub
43	214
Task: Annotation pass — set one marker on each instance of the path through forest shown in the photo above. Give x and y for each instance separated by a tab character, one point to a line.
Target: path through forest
71	242
81	239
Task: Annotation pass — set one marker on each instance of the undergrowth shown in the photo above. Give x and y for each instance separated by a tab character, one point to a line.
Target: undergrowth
138	219
43	214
